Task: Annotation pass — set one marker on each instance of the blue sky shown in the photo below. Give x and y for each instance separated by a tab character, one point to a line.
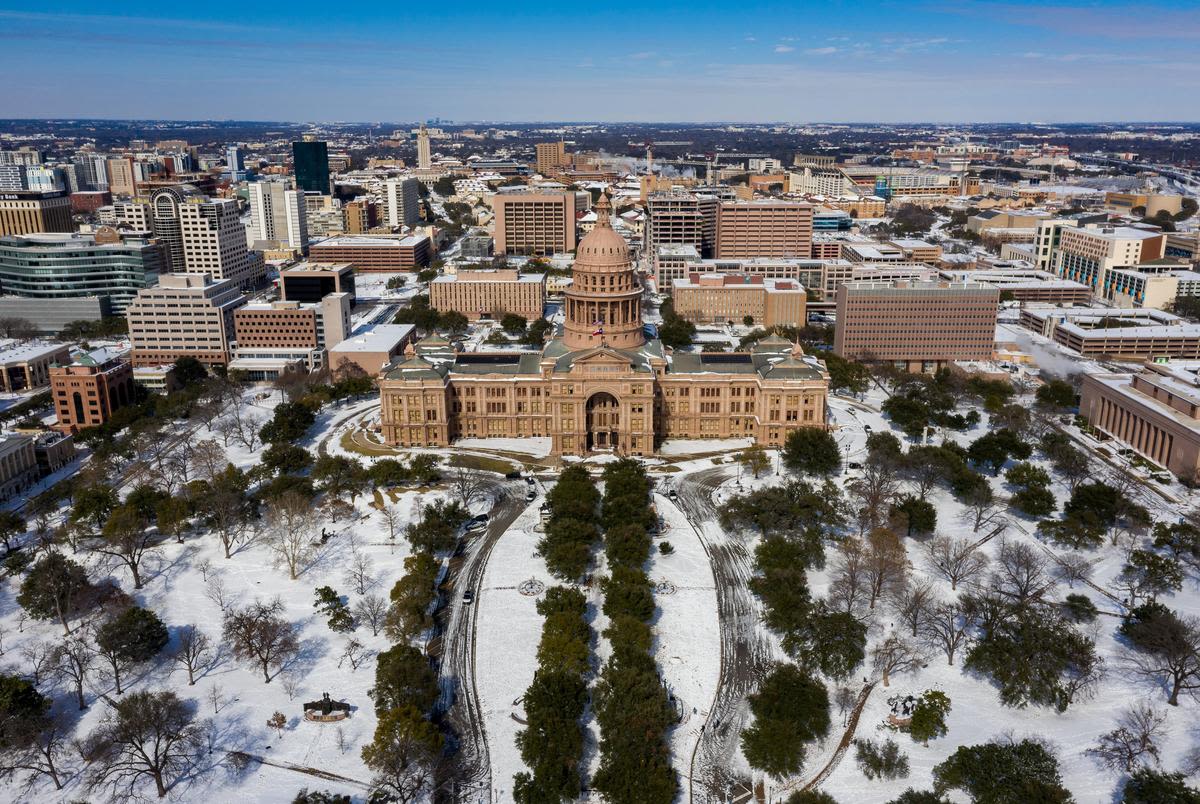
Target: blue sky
946	60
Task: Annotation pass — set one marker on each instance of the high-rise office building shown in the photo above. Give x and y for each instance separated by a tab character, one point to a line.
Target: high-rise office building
235	162
45	179
121	179
764	229
214	241
278	213
533	223
310	162
27	212
424	158
403	201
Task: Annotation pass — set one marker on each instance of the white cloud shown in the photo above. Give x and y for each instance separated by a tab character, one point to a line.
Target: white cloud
784	48
643	55
821	51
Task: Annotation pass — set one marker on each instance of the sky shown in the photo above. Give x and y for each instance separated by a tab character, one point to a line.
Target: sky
669	61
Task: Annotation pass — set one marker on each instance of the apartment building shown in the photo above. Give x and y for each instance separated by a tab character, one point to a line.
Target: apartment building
920	326
30	212
105	263
185	315
1087	254
1155	411
402	201
551	156
90	387
490	293
278	214
534	223
362	215
281	336
374	253
731	298
764	229
676	217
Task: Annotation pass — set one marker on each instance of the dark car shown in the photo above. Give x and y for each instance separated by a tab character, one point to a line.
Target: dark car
512	475
530	495
468	596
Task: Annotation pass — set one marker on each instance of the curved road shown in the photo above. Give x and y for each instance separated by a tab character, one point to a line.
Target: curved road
468	774
745	651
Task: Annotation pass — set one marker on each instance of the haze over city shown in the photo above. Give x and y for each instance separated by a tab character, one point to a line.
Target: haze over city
668	61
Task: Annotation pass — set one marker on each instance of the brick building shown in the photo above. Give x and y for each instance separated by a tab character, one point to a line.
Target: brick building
764	229
87	390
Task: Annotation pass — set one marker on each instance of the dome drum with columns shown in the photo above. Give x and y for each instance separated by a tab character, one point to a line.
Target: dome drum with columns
603	304
601	386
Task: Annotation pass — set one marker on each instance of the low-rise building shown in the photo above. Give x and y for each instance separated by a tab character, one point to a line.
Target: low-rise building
372	348
917	250
1154	411
490	293
724	298
920	326
1104	332
18	465
27	365
90	387
1025	285
374	253
278	337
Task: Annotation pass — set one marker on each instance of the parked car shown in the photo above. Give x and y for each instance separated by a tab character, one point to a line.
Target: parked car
529	479
530	495
512	475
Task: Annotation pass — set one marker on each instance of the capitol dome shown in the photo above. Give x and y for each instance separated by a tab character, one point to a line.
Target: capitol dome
602	247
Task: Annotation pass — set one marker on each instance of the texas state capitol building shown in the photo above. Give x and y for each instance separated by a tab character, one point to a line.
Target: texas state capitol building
600	385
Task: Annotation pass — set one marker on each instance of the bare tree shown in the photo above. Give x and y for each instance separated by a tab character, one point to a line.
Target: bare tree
873	493
886	564
148	735
1020	573
959	561
912	603
291	686
259	634
1167	654
209	459
895	655
38	660
468	486
74	659
226	516
193	651
372	610
393	520
1134	743
216	591
126	537
359	574
353	653
982	510
1073	567
290	531
944	629
216	697
226	429
848	591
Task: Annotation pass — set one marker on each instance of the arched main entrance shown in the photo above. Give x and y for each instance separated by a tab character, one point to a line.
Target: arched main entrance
603	422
